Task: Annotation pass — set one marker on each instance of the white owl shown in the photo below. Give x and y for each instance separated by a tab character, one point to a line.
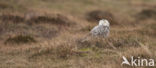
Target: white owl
102	29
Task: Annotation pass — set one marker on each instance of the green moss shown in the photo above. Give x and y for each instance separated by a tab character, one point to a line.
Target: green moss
85	49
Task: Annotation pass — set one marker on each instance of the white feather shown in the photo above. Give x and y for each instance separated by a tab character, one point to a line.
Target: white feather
101	30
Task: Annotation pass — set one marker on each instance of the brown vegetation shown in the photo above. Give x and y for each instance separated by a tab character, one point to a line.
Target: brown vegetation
98	15
11	18
51	35
56	19
147	14
5	6
20	39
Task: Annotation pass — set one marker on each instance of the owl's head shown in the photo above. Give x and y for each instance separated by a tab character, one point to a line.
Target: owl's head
104	22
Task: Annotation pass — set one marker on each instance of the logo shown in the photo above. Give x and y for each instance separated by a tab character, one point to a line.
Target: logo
137	61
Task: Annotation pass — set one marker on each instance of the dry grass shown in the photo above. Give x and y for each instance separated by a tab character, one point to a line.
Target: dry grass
20	39
59	26
147	13
97	15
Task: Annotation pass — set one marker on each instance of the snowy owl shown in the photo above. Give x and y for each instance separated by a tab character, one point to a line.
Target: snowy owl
102	29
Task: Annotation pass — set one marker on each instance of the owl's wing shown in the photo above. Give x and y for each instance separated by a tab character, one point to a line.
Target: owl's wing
95	30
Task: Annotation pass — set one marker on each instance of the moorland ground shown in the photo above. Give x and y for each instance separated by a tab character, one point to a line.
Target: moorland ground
48	33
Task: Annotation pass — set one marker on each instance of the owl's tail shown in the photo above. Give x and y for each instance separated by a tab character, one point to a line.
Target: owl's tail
86	37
